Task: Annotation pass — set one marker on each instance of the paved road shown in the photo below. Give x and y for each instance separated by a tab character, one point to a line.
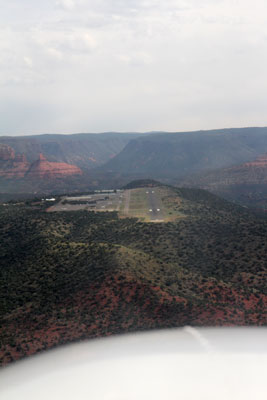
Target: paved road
155	205
99	202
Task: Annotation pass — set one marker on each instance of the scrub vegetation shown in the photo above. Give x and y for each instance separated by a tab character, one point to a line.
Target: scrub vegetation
68	276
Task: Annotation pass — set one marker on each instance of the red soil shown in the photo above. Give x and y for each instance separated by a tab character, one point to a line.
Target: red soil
121	304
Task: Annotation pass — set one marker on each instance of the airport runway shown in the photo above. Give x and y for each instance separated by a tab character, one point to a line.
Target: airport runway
112	202
127	201
155	210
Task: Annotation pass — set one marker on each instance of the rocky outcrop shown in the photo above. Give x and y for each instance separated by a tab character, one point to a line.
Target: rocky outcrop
11	165
47	169
6	152
16	168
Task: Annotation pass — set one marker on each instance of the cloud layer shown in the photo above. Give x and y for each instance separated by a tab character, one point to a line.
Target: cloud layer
99	65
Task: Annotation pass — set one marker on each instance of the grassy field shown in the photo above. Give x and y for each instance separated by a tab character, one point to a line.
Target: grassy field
171	203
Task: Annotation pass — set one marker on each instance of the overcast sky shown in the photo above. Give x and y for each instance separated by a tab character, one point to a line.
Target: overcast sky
132	65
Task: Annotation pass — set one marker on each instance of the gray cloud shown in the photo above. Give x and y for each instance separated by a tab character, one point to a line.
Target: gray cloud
103	65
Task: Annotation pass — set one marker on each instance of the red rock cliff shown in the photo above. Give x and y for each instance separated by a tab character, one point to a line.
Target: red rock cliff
47	169
16	168
12	166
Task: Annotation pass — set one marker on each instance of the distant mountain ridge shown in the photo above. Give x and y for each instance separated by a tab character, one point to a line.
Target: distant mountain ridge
151	155
86	150
178	154
203	159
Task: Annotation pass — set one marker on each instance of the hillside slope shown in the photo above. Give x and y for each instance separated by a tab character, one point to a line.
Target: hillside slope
245	183
74	275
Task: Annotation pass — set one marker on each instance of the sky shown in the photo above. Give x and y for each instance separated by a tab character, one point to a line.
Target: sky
131	65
